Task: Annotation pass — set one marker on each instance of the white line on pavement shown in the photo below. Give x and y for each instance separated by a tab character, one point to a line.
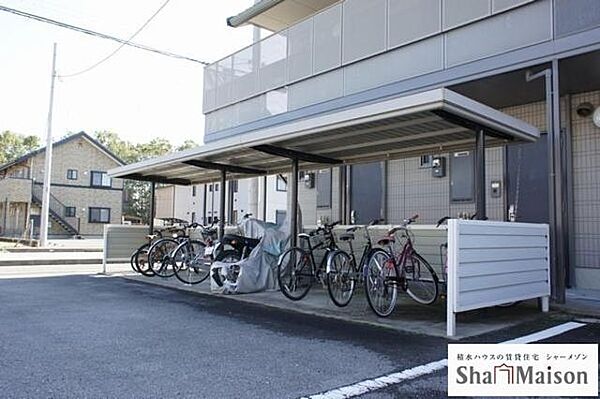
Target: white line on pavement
550	332
360	388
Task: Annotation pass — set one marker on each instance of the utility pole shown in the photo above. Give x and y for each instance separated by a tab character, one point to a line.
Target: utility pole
48	161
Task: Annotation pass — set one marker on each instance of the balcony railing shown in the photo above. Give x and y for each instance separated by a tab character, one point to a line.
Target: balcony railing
356	45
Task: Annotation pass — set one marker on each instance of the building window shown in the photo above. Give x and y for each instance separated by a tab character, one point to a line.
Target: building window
70	211
72	174
425	161
280	183
193	191
193	217
100	179
210	188
324	188
234	185
99	215
209	220
216	186
280	216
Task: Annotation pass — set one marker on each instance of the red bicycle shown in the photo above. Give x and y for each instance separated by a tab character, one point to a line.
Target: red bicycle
389	269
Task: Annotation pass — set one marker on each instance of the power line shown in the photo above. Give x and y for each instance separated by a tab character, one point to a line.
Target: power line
98	34
120	46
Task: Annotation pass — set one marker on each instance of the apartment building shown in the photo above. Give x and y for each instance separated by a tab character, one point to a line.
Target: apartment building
200	203
346	82
82	197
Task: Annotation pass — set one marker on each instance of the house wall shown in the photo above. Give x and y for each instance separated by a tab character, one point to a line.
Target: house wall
13	218
85	157
586	194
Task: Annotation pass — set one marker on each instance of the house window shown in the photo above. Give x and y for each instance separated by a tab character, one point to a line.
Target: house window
72	174
324	188
70	211
216	186
425	161
193	191
100	179
99	215
210	188
234	185
280	184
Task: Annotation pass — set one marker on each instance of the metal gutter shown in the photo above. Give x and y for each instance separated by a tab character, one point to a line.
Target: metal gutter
245	16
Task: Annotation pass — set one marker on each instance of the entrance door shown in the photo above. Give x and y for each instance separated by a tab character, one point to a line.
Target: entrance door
531	200
366	186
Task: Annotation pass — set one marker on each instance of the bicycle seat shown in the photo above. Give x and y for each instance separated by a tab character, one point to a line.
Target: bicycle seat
386	241
151	236
346	237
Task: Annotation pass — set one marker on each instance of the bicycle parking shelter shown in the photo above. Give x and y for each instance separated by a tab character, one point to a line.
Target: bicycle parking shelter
434	121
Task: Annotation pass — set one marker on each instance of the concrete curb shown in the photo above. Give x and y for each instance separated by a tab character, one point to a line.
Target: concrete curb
51	250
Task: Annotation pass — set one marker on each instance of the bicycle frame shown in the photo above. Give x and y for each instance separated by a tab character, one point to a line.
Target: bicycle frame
328	244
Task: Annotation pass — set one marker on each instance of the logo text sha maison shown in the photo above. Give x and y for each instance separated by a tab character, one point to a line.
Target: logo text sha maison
520	375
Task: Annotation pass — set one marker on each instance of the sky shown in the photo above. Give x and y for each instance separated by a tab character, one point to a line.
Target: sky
137	94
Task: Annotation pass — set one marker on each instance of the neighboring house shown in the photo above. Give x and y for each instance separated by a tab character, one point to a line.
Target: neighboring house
200	203
82	197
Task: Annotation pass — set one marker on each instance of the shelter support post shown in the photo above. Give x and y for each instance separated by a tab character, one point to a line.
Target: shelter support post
264	199
294	198
480	174
222	197
152	207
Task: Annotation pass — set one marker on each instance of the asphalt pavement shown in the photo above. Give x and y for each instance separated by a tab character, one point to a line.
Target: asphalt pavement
92	336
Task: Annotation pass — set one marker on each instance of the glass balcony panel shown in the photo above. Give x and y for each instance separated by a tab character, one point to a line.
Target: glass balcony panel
273	53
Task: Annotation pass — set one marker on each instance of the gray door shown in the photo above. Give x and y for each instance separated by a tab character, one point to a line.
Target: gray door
527	189
366	184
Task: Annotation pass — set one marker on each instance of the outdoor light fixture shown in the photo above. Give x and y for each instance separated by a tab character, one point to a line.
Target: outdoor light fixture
596	117
585	109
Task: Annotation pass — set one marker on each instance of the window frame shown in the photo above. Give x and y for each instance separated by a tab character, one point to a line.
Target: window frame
324	198
94	208
68	214
278	179
102	175
69	174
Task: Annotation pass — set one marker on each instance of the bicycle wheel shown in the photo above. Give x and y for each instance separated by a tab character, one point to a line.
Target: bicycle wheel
421	280
160	257
141	261
132	261
191	264
295	273
340	278
381	286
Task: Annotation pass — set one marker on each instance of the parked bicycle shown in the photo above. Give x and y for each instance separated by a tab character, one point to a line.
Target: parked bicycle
297	268
389	269
343	271
139	258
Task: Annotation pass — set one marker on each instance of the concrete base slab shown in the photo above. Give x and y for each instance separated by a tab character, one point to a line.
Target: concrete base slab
408	316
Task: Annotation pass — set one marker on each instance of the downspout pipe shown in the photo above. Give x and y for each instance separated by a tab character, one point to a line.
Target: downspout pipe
557	266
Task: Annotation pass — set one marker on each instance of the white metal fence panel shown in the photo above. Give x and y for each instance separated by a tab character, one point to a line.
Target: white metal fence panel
493	263
120	241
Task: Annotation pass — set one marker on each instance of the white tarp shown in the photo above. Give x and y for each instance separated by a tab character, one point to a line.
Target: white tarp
258	271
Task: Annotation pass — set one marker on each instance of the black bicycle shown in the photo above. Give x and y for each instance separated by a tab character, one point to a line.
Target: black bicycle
343	271
297	268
